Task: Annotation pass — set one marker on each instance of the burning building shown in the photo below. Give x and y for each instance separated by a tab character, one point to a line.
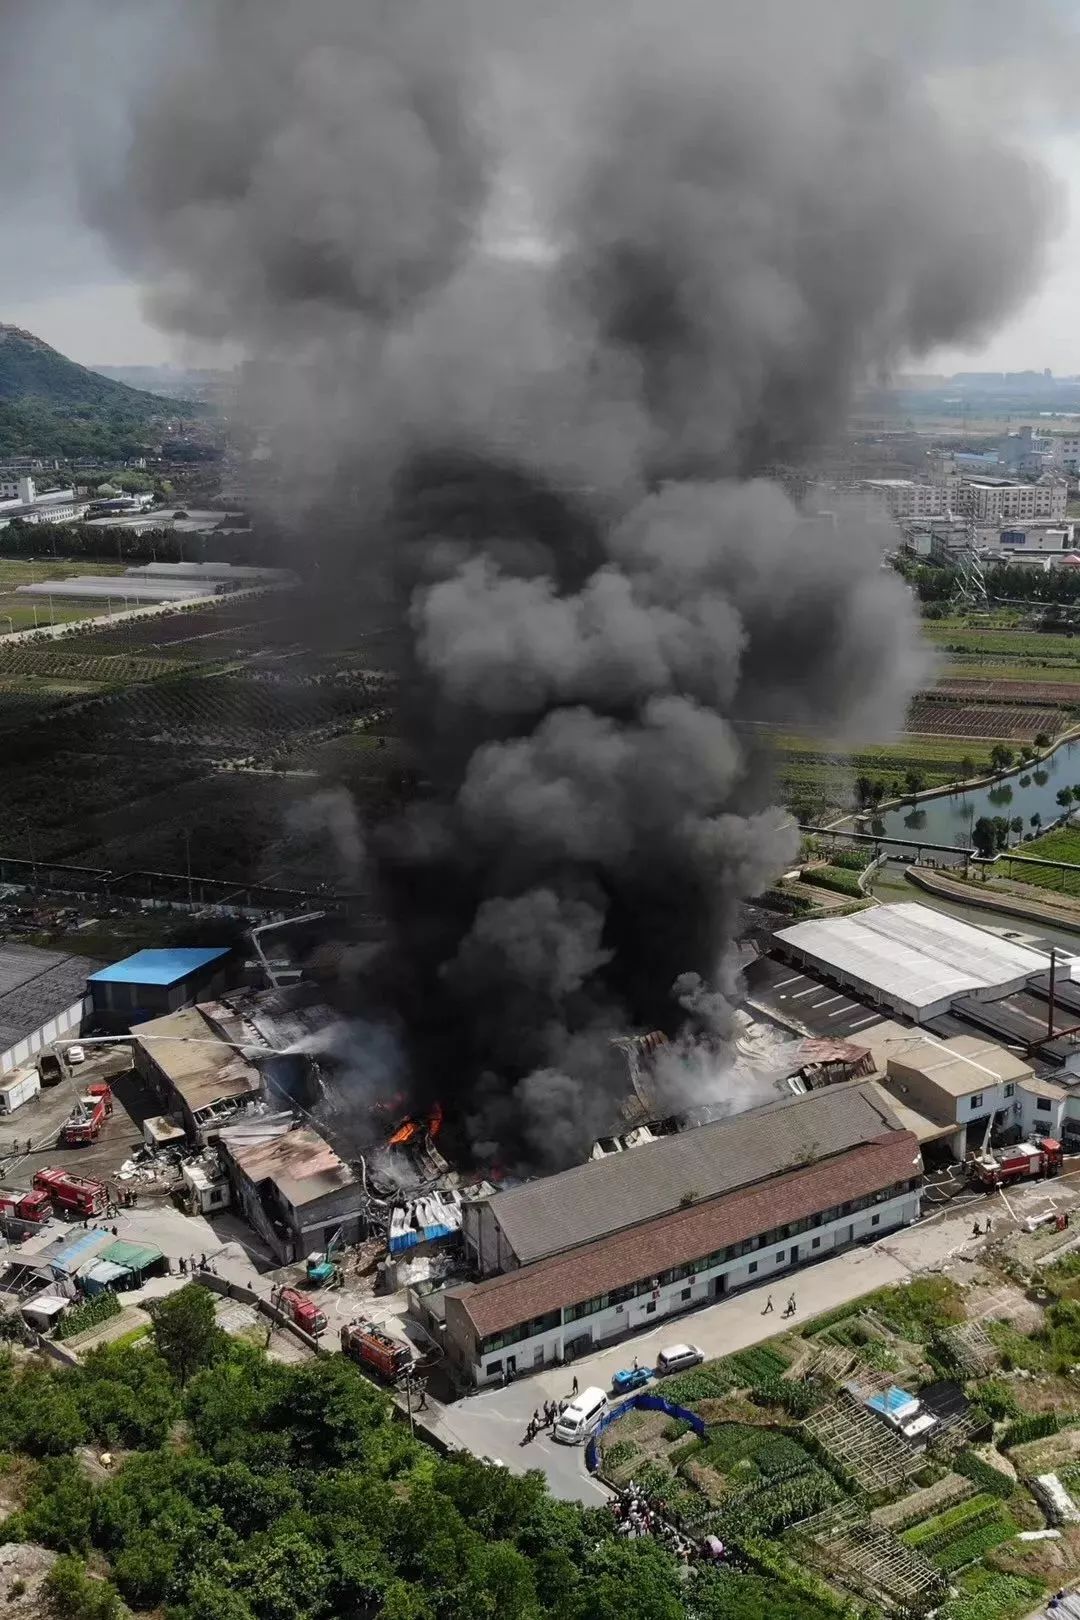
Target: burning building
529	342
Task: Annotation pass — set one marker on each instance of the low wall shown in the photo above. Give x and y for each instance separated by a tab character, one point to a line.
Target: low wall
245	1296
638	1403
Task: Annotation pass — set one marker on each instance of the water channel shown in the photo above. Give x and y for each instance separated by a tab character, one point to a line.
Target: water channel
950	818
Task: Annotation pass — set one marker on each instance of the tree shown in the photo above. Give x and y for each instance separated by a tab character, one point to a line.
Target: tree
1036	821
1042	739
983	837
1001	757
877	791
967	768
185	1333
914	782
864	787
1064	797
1001	832
75	1595
1016	826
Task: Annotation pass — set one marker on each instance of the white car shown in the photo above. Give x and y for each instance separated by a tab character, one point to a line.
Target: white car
75	1054
677	1358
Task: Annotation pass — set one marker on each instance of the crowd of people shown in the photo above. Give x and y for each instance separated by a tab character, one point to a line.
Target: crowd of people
636	1515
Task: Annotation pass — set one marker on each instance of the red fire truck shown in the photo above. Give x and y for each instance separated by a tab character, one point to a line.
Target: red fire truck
71	1194
1023	1162
303	1311
367	1345
25	1206
91	1111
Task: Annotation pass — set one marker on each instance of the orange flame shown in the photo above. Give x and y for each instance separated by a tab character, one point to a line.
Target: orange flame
405	1133
435	1119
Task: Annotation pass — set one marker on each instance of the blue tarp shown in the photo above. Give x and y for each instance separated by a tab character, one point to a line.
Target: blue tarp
638	1403
66	1261
427	1234
892	1402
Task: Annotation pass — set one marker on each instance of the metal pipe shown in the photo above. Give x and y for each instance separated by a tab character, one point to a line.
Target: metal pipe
1053	983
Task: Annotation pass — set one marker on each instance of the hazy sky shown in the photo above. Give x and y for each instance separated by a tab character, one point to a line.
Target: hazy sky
56	277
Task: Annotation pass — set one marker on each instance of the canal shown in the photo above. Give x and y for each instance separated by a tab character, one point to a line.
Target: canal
1030	790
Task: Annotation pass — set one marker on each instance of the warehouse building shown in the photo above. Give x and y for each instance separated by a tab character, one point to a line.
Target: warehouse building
288	1182
43	997
582	1258
154	982
909	959
201	1081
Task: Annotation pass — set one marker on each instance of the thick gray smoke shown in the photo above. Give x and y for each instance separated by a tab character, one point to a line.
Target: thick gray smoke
550	297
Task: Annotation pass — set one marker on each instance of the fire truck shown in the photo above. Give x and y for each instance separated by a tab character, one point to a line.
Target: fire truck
1024	1162
367	1345
71	1194
302	1310
25	1206
91	1111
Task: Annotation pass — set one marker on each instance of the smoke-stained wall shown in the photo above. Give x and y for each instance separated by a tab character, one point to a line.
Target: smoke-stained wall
544	300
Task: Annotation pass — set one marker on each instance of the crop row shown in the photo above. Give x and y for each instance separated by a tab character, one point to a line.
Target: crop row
991	690
934	1533
771	1506
60	665
973	1545
941	718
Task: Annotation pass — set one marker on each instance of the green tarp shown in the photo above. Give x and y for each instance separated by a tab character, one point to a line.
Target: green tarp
132	1256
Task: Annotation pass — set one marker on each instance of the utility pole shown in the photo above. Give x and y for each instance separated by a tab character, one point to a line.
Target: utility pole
187	861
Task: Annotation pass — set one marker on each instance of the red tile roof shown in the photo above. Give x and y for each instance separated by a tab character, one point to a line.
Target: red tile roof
674	1240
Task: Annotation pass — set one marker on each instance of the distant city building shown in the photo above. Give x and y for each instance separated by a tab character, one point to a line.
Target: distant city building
902	498
58	506
1002	501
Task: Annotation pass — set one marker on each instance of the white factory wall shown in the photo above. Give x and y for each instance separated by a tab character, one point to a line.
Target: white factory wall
65	1023
673	1299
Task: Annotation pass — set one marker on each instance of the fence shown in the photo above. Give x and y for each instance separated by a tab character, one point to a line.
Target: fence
638	1403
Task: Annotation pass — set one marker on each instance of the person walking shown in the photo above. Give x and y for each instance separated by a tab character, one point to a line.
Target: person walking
574	1386
768	1306
988	1226
976	1230
791	1305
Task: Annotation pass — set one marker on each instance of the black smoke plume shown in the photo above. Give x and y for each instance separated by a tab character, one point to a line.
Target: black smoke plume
541	303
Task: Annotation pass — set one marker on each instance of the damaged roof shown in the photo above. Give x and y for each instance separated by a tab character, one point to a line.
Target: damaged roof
624	1189
502	1302
201	1068
300	1163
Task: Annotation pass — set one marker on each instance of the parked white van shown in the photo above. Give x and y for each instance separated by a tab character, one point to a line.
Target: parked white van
577	1420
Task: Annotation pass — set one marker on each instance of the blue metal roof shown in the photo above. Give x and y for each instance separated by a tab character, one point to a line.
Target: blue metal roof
158	967
892	1401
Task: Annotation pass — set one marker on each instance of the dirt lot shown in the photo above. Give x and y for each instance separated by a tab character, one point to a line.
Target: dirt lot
38	1123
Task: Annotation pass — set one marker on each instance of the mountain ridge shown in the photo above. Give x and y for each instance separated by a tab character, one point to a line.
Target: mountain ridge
32	370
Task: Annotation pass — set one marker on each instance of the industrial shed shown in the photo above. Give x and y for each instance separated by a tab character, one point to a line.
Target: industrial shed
154	982
200	1080
43	996
291	1186
911	959
594	1200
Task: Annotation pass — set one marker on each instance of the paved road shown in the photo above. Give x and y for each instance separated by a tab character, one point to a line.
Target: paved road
492	1424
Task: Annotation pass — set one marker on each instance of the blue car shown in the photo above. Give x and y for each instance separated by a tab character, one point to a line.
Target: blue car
630	1378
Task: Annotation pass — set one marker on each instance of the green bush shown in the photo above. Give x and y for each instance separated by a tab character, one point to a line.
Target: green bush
936	1532
853	860
1038	1426
798	1399
998	1597
675	1428
837	878
997	1398
987	1479
75	1596
88	1315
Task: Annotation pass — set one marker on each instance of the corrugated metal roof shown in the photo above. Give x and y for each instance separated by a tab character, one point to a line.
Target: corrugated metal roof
132	1256
911	955
502	1302
300	1163
200	1066
158	966
592	1200
34	986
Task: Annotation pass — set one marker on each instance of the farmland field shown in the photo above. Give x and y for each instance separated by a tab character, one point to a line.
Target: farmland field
18	612
991	689
1006	643
1019	722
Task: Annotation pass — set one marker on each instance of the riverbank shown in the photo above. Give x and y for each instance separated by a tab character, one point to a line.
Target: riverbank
1060	914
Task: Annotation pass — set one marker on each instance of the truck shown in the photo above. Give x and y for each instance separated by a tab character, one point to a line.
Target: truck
302	1310
1023	1162
84	1122
18	1088
71	1194
22	1205
370	1347
51	1067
